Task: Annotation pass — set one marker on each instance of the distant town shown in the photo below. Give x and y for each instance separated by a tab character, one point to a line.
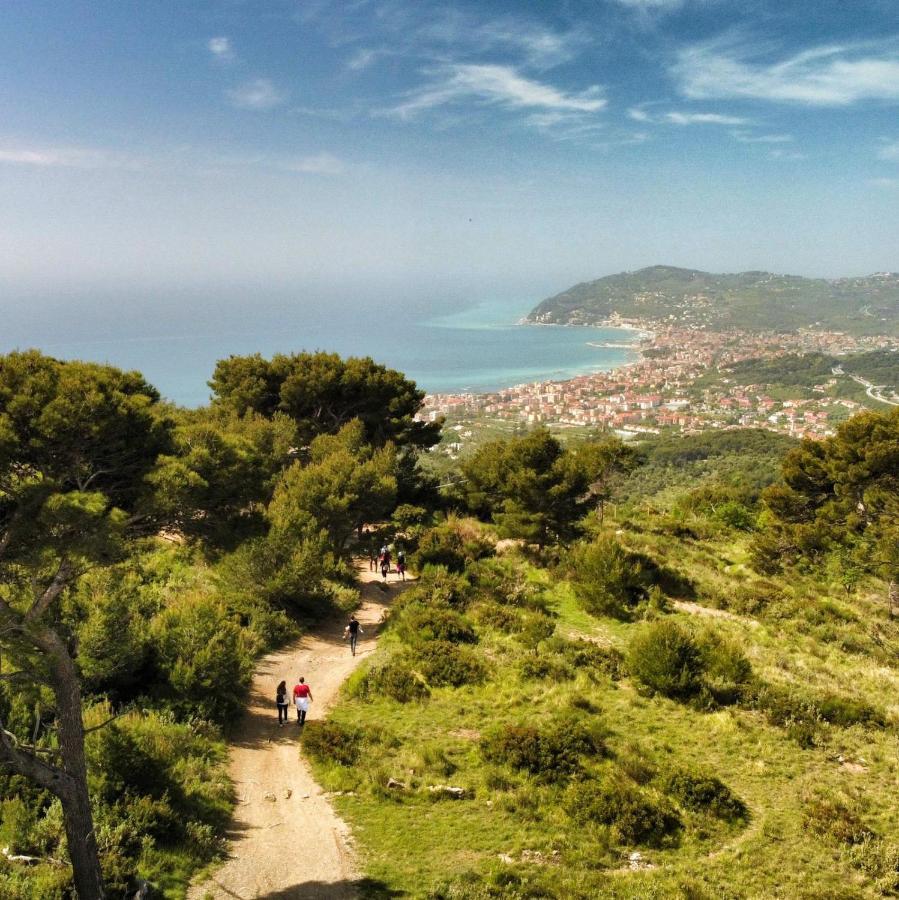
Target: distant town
670	388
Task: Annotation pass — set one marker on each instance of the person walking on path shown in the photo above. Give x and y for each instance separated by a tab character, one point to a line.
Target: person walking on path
302	697
353	630
401	563
385	563
281	701
372	556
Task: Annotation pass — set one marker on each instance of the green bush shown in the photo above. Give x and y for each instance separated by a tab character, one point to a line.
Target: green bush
545	667
635	815
607	579
332	742
443	663
437	586
727	670
535	627
705	793
419	623
588	656
502	581
396	680
667	659
552	753
502	618
453	545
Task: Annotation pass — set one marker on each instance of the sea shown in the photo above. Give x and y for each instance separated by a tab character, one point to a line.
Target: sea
478	347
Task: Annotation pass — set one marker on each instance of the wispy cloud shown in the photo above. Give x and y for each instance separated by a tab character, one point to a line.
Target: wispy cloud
786	155
259	94
319	164
364	58
889	151
664	5
889	184
828	75
496	85
682	118
66	158
746	137
221	49
675	117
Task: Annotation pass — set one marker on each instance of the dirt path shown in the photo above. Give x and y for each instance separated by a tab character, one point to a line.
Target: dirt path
285	840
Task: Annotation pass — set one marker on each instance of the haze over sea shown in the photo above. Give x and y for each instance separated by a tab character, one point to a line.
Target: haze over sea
176	341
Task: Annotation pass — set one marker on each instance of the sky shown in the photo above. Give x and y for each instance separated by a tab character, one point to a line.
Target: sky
162	152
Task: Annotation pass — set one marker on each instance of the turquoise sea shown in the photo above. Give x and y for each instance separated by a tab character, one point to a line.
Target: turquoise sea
478	348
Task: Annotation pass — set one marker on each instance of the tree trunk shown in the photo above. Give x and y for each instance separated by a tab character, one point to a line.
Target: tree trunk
76	806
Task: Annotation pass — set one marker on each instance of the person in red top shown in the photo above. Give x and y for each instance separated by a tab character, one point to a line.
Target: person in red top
302	697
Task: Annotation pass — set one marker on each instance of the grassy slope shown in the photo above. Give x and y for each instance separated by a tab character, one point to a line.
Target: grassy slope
411	843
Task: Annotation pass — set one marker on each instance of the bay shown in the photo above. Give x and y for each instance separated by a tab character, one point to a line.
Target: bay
480	347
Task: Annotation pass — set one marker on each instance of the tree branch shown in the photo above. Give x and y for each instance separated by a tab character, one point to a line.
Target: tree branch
63	574
118	715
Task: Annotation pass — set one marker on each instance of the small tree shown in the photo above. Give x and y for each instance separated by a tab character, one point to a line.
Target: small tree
76	444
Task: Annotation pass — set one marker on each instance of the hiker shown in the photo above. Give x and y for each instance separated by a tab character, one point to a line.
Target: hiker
385	564
352	631
372	557
281	701
401	563
302	697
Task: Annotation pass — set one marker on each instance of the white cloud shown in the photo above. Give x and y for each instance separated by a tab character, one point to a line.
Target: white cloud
362	59
786	155
889	184
497	85
829	75
675	117
221	49
681	118
889	151
319	164
66	158
745	137
259	93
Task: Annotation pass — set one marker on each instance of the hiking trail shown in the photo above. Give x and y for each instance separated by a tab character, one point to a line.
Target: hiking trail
285	840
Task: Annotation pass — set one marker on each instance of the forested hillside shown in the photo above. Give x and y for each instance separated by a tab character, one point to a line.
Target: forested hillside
755	301
662	670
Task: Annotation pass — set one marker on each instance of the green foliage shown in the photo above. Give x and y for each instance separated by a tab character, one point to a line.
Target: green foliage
635	816
332	742
202	658
439	587
394	679
345	484
589	657
705	793
419	623
545	667
446	664
322	392
609	580
531	487
453	544
552	753
667	659
834	820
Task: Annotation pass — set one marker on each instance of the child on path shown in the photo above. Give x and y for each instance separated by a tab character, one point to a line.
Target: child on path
401	563
281	701
302	696
353	630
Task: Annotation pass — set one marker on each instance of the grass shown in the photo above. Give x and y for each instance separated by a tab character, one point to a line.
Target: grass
460	848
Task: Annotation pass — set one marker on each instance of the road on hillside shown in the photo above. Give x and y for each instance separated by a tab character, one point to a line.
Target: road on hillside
285	840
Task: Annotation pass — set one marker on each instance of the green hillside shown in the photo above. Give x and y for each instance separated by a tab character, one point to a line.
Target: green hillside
757	301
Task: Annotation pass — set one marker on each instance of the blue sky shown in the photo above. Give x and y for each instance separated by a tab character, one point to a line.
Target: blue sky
478	147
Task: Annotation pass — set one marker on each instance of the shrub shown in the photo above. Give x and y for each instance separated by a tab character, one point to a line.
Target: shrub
588	656
439	587
607	579
844	711
727	670
420	623
443	663
502	618
503	582
545	667
636	816
535	628
553	753
666	659
332	742
394	679
453	545
834	820
704	793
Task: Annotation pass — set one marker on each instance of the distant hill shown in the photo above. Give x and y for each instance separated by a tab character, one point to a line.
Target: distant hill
755	301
